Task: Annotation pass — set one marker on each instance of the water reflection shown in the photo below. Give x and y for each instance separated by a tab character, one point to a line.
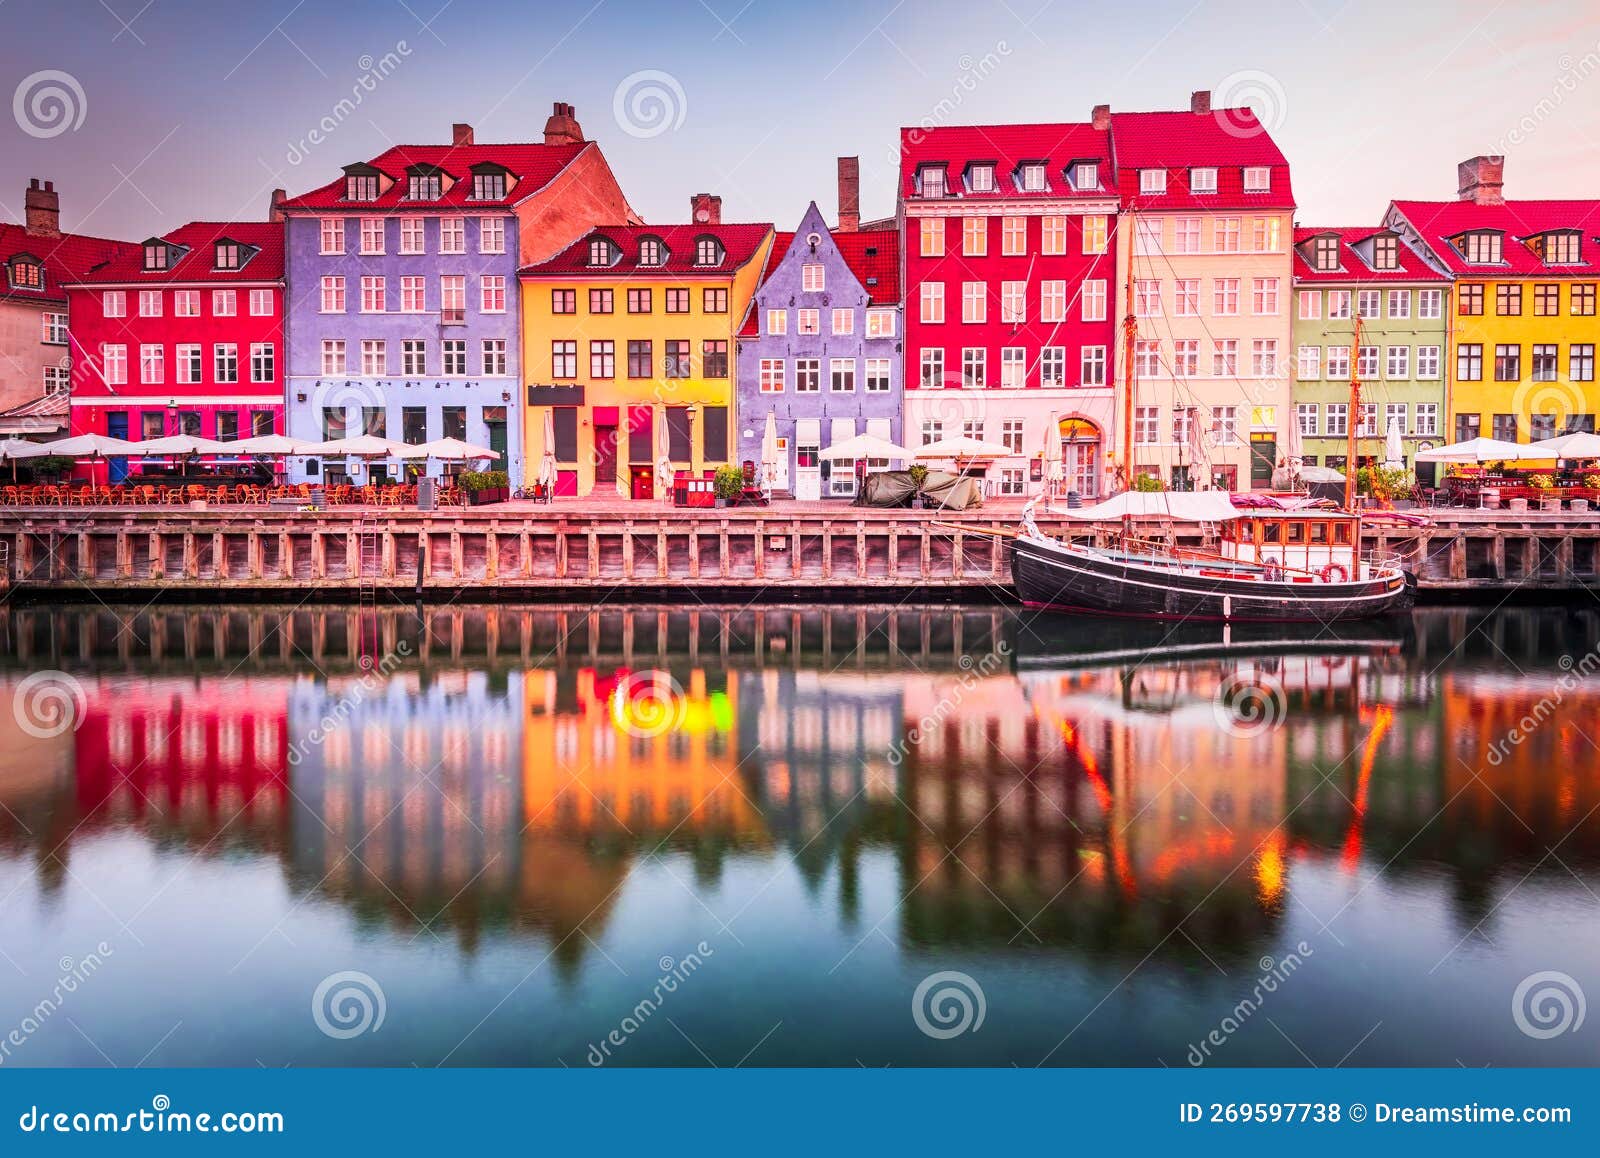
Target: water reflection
945	780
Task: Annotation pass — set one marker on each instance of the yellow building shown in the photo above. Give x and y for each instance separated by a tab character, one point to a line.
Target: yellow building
628	351
1524	326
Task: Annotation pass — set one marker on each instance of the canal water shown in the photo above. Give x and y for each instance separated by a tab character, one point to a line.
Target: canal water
794	836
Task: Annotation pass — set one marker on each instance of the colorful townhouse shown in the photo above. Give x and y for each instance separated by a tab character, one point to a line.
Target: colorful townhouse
629	349
181	335
1524	327
1205	247
1008	236
402	274
39	262
1372	278
820	350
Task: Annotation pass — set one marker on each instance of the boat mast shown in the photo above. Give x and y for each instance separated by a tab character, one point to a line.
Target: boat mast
1130	338
1354	417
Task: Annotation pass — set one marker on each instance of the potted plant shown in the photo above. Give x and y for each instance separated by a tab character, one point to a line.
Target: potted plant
728	483
485	486
1545	484
919	476
1148	483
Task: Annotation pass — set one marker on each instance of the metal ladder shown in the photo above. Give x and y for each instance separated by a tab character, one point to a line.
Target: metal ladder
369	556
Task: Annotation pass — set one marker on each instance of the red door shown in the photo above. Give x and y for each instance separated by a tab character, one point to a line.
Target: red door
643	482
605	455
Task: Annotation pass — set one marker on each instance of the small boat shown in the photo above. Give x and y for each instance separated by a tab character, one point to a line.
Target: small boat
1287	564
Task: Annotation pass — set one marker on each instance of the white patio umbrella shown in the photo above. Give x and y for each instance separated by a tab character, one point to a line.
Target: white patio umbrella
180	446
1054	469
665	471
1294	447
1393	449
270	444
769	453
547	460
361	446
1477	450
865	446
960	446
13	449
447	450
90	446
1580	444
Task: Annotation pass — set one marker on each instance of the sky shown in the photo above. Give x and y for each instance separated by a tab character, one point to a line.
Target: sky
150	113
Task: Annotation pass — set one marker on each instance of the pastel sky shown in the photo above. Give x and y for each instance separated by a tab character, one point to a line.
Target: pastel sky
184	109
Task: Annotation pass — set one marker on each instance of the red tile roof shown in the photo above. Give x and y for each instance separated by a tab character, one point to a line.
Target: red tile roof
1007	146
534	166
1352	268
66	259
741	242
45	406
883	265
1228	140
1438	221
195	266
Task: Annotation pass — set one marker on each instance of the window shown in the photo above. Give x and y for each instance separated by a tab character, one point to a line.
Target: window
1186	235
114	304
1225	296
974	303
372	295
1013	302
602	358
1053	301
263	362
1325	254
1503	427
708	251
932	302
771	375
1186	298
411	235
1033	178
777	321
1468	426
225	361
1086	175
1305	413
1480	248
931	237
842	375
1310	305
187	357
714	358
975	236
1400	303
1264	234
1147	298
489	187
1094	233
149	303
453	298
932	369
1430	303
1546	300
714	300
877	374
808	321
261	305
1152	180
1186	357
372	235
1369	303
1469	299
676	361
1225	234
1264	357
1339	363
413	356
152	365
640	301
1013	367
1257	179
422	187
227	255
333	358
1545	360
1147	358
843	321
1386	251
1225	425
1427	419
452	235
1338	305
186	303
640	359
563	359
1011	434
492	293
413	295
491	234
1428	362
1052	235
1202	180
1053	366
1092	366
1225	357
974	367
1338	418
1013	236
1309	363
675	300
1367	362
374	357
932	431
1508	363
1146	424
1264	292
453	357
880	323
601	251
930	181
54	329
1508	300
1563	248
1469	362
494	357
807	375
1180	425
1580	365
1147	235
156	258
1583	300
1397	363
331	235
602	301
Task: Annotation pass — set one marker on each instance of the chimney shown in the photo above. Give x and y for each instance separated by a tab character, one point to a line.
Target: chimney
1101	117
562	128
1200	102
849	194
1482	180
460	134
42	209
705	209
275	208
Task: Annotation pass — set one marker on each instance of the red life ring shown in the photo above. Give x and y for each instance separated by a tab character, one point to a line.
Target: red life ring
1332	569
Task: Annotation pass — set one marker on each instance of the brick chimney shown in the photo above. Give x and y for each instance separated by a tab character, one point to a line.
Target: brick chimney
1101	118
1482	180
562	128
705	209
461	134
42	209
849	194
275	208
1200	102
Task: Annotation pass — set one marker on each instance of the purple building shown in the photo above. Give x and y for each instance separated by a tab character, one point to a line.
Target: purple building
820	348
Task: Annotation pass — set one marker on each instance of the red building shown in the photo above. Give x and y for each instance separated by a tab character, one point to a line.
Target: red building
1010	262
182	335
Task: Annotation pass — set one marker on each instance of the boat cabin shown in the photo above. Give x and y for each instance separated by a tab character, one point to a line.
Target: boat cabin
1316	542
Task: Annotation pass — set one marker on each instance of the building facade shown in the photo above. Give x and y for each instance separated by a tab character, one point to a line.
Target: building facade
1370	276
1523	321
820	351
1205	249
39	262
403	288
181	335
629	348
1008	237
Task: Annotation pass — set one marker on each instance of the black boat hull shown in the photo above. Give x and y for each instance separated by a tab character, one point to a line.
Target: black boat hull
1055	578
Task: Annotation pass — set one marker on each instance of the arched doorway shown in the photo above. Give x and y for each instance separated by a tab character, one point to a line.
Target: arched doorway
1080	456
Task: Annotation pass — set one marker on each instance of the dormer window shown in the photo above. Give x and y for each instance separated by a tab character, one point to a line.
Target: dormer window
1086	175
1033	177
422	187
1152	180
26	273
1202	181
229	255
707	251
980	178
602	252
1386	251
930	181
652	252
1258	179
1481	247
361	187
489	186
1325	254
157	257
1560	247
